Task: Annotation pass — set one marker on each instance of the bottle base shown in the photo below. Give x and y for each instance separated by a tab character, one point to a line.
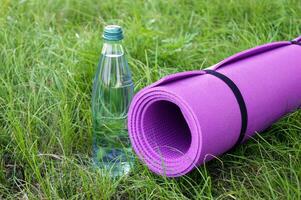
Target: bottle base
115	162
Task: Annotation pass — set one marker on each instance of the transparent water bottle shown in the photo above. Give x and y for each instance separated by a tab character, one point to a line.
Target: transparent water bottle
112	94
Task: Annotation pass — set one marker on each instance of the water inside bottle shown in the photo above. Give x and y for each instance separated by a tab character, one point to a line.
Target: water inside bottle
112	93
116	90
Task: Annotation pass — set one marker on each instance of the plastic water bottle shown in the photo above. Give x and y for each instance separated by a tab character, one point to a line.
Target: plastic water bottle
112	94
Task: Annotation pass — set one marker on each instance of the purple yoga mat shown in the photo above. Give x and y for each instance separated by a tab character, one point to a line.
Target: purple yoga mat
188	118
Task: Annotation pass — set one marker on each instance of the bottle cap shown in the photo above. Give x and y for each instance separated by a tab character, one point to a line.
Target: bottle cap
113	33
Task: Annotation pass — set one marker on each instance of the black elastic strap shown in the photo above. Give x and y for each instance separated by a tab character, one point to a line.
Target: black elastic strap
295	42
240	101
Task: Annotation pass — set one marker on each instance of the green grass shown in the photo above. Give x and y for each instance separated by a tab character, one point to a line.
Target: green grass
48	56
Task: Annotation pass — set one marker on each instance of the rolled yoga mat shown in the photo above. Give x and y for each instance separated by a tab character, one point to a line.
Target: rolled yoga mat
188	118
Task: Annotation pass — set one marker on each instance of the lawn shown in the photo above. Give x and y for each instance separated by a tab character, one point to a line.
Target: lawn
48	56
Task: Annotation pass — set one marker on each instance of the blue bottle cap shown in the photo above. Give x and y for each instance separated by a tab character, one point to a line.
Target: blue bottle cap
113	33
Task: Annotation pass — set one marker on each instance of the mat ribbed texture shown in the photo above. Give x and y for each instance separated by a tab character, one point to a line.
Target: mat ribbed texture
188	118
